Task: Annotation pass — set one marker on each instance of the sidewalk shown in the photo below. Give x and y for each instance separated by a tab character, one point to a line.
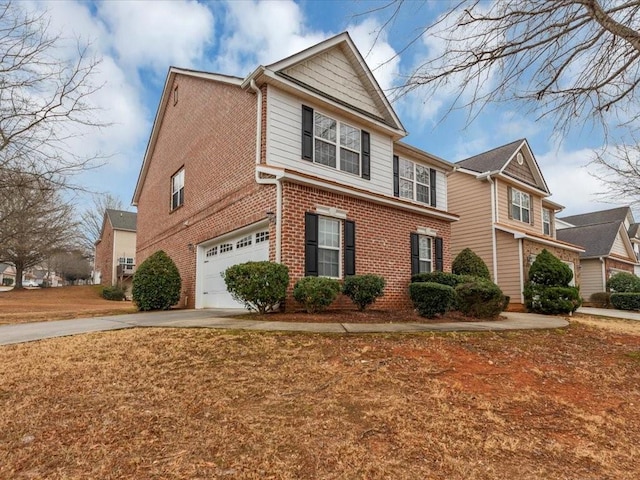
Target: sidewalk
28	332
610	312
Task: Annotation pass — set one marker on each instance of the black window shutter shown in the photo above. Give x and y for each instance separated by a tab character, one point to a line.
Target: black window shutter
307	133
310	244
432	187
366	155
531	215
415	254
349	248
439	255
396	176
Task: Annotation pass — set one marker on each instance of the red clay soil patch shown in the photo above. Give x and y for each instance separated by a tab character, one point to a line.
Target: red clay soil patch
197	403
42	304
355	316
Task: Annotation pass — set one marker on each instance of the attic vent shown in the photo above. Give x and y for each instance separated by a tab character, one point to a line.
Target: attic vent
519	158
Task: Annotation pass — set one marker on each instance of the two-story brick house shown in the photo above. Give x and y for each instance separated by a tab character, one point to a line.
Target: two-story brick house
506	216
115	252
299	163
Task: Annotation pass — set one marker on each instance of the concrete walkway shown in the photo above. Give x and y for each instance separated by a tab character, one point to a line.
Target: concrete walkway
610	312
28	332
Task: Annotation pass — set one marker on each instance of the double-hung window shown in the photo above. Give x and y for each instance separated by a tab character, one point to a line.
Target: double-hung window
425	254
546	221
328	247
336	144
415	181
520	206
177	189
330	137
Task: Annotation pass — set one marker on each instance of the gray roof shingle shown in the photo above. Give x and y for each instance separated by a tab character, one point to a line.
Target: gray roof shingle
492	160
603	216
597	239
122	220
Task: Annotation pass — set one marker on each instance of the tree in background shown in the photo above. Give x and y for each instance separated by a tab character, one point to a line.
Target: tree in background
568	60
43	99
36	222
70	265
90	224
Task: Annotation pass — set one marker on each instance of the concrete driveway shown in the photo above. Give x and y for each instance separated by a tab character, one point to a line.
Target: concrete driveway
28	332
610	312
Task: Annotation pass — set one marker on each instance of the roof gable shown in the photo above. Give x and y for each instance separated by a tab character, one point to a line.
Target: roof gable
515	160
597	239
336	69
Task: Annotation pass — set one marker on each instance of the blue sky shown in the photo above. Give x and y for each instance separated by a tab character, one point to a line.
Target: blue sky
138	41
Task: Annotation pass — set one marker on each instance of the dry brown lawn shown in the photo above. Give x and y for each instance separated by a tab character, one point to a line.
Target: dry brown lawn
43	304
203	404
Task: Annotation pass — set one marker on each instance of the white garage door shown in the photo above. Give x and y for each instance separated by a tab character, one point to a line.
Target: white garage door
217	257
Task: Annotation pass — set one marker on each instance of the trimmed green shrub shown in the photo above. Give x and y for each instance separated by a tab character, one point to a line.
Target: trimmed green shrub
480	298
468	263
316	293
431	299
444	278
156	283
623	282
7	282
601	299
551	300
260	286
113	293
363	290
626	300
549	270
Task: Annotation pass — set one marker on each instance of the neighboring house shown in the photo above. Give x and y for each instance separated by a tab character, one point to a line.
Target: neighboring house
7	274
608	245
506	216
115	256
298	163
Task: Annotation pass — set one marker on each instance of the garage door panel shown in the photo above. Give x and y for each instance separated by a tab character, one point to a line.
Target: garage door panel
218	257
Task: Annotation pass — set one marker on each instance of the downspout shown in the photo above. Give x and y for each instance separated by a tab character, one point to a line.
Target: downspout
267	181
604	274
493	229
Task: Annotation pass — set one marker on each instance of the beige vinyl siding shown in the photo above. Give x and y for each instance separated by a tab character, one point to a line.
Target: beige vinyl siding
331	72
284	125
590	278
124	245
504	207
471	199
509	266
618	247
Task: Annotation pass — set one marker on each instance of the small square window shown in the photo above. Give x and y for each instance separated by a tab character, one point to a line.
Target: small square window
177	190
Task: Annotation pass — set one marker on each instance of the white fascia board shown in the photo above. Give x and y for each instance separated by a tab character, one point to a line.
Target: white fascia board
382	200
517	234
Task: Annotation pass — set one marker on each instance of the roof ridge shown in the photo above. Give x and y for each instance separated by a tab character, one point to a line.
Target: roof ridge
491	150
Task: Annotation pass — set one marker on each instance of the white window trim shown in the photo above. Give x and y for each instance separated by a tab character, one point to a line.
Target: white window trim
414	181
546	223
421	259
178	175
514	191
337	144
338	248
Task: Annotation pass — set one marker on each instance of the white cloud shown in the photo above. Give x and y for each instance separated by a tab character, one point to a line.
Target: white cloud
158	34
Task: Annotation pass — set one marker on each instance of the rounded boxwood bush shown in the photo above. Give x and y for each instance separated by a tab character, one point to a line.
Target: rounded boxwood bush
601	299
363	290
316	293
431	299
551	300
549	270
626	300
480	298
623	282
444	278
156	283
260	286
113	293
468	263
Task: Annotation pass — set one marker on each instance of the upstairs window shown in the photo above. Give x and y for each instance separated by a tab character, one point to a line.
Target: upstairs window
177	189
520	205
414	181
335	144
546	221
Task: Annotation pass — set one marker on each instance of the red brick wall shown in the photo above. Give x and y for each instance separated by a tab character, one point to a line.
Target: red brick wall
611	263
531	247
382	239
211	132
104	255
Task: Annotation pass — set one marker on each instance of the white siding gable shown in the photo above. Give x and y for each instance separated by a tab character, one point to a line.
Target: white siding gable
284	148
332	73
618	246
